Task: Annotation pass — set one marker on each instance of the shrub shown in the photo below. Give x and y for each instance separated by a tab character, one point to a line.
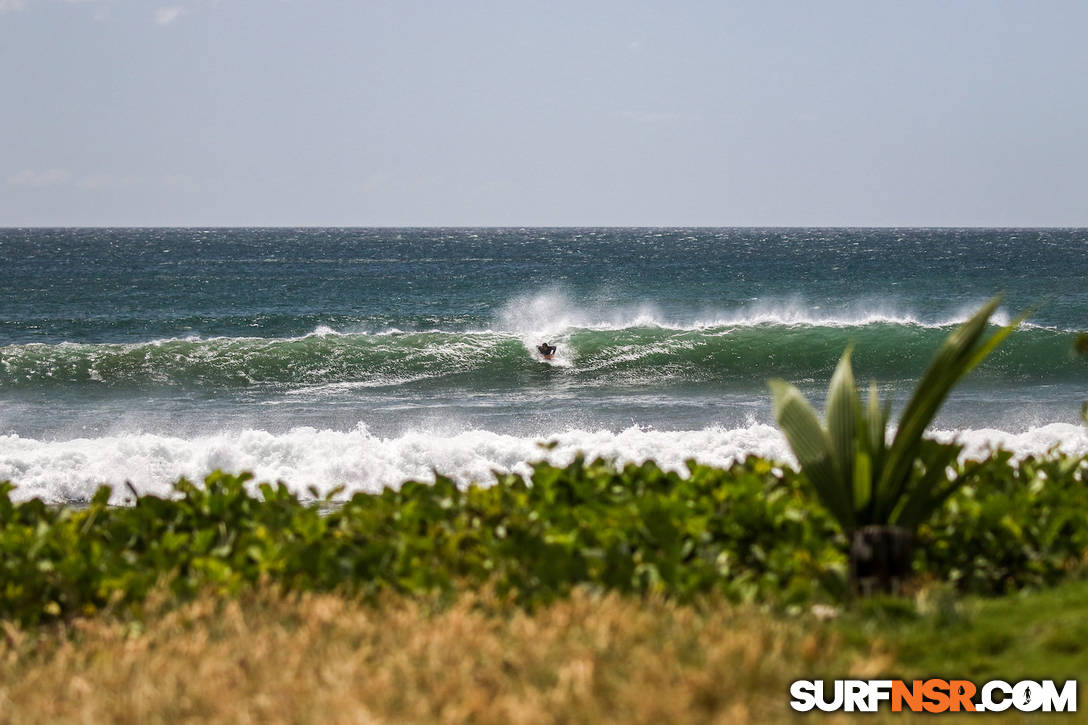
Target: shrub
1010	525
746	532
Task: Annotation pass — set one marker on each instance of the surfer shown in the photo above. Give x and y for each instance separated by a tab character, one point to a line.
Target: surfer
546	349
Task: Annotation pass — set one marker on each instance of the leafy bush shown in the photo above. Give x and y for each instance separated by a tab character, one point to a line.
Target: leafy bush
1010	526
746	531
749	532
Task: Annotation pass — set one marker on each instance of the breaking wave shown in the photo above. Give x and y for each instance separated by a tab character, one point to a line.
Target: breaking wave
643	350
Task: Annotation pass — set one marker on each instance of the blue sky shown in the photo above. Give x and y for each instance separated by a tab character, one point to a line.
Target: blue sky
325	112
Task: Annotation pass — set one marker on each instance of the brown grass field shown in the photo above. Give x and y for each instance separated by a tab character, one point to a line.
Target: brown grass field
324	658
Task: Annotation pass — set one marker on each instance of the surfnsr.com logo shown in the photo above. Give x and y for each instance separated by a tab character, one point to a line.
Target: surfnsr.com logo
933	695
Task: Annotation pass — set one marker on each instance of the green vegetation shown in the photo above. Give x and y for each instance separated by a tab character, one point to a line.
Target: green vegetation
748	533
1029	635
1010	526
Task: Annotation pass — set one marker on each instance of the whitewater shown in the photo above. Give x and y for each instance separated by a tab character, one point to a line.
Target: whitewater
71	470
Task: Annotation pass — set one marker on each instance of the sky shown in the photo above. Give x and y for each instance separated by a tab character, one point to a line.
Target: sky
509	113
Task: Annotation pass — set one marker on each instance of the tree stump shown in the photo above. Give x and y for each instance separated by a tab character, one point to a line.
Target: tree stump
880	559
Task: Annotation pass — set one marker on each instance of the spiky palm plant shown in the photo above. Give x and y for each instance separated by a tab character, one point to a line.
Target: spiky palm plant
881	493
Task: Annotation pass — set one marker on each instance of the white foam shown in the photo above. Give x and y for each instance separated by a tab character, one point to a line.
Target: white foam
324	331
1066	438
70	470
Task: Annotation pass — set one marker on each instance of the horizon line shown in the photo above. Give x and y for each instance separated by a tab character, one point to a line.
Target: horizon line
16	227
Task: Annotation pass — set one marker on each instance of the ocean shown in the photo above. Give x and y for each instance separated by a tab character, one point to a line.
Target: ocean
367	357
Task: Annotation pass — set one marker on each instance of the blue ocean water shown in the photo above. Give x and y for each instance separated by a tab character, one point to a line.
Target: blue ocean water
368	356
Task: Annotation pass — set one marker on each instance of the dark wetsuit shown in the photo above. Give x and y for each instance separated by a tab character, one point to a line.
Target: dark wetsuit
546	349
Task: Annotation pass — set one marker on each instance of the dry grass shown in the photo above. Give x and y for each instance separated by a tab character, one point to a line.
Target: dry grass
323	658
